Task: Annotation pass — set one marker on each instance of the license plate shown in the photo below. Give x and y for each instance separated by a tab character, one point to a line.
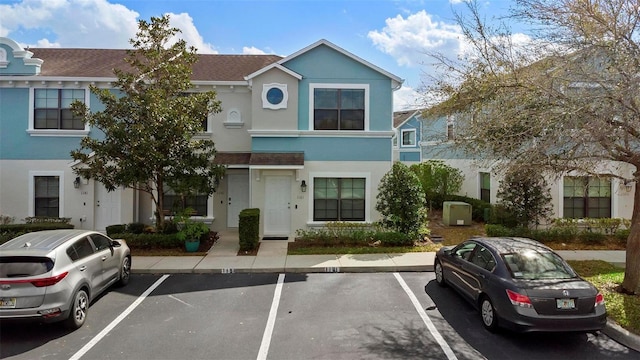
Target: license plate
565	304
7	303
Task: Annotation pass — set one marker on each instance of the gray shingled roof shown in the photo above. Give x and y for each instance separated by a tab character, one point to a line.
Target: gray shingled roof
101	62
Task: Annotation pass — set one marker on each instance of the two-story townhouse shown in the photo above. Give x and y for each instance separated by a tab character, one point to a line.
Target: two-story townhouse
305	138
574	195
408	135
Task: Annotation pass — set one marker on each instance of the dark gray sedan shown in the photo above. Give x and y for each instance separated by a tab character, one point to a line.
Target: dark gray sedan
53	275
520	284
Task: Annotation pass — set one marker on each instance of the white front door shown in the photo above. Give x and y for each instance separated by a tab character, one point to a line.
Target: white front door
237	197
277	207
107	207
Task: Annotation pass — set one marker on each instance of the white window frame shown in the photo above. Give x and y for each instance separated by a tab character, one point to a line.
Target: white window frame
32	181
314	86
340	175
401	142
55	132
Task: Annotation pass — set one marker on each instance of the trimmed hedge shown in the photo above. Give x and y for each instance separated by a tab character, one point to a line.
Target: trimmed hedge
562	234
393	238
150	241
116	229
249	229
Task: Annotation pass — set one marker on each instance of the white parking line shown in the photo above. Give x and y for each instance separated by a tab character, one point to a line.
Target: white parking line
427	321
268	331
117	320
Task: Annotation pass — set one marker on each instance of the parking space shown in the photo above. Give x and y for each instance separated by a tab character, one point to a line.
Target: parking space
328	316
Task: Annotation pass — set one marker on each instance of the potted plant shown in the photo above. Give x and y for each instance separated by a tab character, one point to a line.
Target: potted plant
190	232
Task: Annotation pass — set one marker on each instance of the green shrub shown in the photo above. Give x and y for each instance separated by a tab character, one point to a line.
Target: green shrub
136	228
592	237
46	219
393	238
249	229
622	235
150	241
116	229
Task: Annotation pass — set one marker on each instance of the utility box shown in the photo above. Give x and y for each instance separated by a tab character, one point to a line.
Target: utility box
456	213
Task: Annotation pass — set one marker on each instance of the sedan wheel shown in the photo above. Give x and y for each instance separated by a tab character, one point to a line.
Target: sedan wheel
79	309
125	271
489	316
439	273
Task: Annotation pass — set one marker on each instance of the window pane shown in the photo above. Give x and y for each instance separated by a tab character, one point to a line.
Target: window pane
352	119
325	99
352	99
325	120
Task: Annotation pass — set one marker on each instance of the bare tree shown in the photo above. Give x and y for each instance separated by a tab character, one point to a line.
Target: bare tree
566	102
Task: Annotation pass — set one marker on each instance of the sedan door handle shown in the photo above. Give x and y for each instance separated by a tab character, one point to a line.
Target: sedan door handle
481	275
103	258
82	268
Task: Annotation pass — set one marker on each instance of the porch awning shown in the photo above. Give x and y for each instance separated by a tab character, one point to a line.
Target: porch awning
260	159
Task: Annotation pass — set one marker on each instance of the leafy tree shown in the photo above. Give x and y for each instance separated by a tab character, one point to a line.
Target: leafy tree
400	200
437	179
568	101
150	123
526	196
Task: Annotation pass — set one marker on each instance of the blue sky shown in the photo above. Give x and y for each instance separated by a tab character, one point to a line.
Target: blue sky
391	34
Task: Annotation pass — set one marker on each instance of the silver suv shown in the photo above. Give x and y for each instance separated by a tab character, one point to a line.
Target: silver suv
53	275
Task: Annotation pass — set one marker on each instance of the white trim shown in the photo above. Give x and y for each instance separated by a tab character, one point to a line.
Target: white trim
31	193
31	130
415	142
396	82
276	167
340	175
313	86
273	66
285	96
320	133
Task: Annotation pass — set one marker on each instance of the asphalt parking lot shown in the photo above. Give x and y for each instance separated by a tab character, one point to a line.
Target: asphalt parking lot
290	316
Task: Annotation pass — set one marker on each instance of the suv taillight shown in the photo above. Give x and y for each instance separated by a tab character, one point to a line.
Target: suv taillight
52	280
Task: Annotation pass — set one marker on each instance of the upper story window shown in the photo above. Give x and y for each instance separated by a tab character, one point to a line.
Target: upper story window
205	120
339	107
409	137
52	109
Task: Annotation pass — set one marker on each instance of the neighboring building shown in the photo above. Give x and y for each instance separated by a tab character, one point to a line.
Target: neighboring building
306	138
406	142
573	195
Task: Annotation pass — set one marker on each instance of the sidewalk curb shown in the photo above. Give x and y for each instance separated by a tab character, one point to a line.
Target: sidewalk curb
621	335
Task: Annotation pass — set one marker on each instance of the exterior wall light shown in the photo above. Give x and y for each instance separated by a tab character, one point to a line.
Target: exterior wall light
303	186
76	182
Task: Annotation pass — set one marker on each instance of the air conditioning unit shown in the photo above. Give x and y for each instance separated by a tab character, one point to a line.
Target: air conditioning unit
456	213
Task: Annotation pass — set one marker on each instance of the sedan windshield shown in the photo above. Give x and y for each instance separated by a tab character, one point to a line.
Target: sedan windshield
534	265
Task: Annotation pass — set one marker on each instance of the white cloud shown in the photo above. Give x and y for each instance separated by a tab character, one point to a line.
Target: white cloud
190	34
71	23
86	24
407	98
409	39
246	50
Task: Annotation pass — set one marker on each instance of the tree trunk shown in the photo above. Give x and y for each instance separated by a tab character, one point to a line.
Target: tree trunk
631	283
159	205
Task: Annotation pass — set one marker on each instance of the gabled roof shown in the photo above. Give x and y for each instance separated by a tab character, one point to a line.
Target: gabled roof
101	62
396	81
400	117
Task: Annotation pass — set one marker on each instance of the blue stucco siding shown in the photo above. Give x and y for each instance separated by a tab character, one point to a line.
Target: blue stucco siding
328	149
17	144
16	66
327	66
410	156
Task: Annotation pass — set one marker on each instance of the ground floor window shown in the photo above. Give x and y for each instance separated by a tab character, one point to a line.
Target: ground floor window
173	203
485	186
47	196
339	199
587	197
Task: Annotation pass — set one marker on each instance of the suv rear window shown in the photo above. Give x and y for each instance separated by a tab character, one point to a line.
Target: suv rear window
23	266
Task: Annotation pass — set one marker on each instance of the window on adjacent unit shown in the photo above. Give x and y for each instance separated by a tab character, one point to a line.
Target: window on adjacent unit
339	199
52	109
173	203
485	186
587	197
47	196
409	137
338	109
